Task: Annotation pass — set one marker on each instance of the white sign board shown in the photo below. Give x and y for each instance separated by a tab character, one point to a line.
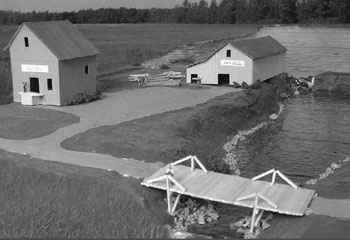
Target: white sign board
35	68
232	63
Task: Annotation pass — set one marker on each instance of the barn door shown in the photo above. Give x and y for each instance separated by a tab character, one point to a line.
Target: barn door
224	79
34	85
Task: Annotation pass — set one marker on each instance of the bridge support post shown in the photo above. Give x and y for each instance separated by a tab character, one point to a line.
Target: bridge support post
176	202
255	212
258	218
168	193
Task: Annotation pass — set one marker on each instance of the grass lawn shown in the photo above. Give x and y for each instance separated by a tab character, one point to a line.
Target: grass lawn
41	199
201	130
20	122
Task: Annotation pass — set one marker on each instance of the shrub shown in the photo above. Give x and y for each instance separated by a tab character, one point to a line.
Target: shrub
217	164
164	66
236	85
82	98
245	85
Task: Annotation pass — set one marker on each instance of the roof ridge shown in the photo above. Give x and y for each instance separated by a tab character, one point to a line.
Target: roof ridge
254	48
61	37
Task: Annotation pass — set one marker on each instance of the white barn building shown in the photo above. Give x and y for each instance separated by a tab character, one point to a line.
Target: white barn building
247	60
53	61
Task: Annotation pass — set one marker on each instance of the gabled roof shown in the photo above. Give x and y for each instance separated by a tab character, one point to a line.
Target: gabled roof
61	37
260	47
254	48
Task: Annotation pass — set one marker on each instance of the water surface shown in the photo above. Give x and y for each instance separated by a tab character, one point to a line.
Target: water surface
312	132
313	50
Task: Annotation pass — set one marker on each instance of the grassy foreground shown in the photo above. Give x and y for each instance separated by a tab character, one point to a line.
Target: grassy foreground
42	199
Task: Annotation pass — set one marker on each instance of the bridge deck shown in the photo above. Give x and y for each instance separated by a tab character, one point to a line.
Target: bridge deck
227	189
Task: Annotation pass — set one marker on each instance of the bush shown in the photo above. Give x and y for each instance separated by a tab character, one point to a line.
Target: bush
164	66
82	98
245	85
236	85
217	164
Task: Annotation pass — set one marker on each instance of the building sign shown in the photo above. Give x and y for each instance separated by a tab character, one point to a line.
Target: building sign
35	68
232	63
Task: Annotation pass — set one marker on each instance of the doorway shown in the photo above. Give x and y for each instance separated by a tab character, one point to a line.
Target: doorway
34	85
194	78
224	79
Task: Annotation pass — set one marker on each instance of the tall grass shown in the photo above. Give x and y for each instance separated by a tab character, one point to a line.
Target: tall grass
41	204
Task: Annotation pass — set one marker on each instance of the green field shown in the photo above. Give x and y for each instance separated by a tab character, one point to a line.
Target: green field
120	44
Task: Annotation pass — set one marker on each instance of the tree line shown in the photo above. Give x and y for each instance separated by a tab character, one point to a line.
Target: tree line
215	11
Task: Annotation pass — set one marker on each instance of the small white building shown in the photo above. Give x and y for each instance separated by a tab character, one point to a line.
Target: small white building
53	61
247	60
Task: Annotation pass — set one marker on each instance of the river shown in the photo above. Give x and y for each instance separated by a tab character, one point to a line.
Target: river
313	130
313	50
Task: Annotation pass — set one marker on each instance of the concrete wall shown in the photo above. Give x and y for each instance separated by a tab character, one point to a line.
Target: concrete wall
265	68
210	69
36	54
73	79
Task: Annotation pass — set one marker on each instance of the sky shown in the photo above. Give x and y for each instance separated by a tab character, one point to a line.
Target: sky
70	5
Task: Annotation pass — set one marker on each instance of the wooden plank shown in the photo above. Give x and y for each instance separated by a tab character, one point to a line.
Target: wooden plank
226	189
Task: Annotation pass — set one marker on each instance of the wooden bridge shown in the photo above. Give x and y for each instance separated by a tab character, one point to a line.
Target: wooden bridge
252	193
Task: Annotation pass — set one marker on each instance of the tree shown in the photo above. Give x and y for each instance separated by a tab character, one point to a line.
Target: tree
288	11
213	12
227	11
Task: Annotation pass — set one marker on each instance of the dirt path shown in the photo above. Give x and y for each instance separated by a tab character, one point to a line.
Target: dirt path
114	108
338	208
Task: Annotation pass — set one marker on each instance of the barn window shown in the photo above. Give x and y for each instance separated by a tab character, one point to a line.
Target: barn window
86	69
228	53
49	84
26	42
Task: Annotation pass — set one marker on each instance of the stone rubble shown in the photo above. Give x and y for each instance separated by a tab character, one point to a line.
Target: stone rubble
230	147
191	212
243	226
330	170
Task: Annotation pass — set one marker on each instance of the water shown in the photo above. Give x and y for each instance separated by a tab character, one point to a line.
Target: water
313	50
314	129
312	132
